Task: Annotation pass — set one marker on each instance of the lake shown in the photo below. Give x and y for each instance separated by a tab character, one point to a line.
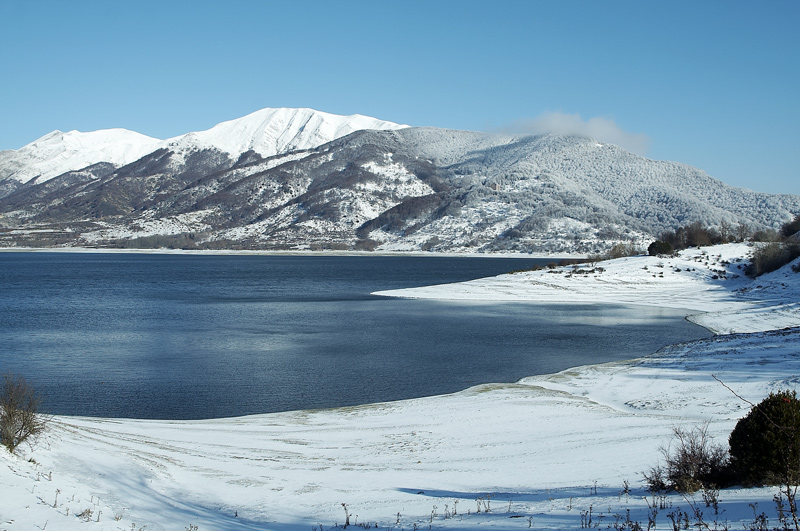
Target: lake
176	336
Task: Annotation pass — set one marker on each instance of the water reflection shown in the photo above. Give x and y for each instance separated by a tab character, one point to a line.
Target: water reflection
154	336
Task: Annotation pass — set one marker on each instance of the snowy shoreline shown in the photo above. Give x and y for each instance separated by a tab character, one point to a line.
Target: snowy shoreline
709	281
542	449
256	252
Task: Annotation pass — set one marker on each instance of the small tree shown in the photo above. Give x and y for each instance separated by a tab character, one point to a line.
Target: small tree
20	419
742	231
765	444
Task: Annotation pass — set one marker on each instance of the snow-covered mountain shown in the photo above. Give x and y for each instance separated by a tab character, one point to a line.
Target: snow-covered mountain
270	132
266	182
58	152
266	132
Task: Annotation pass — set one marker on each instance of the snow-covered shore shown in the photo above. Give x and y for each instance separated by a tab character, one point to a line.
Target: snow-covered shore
538	453
292	252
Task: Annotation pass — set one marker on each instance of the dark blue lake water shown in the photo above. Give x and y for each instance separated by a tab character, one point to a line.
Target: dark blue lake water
189	337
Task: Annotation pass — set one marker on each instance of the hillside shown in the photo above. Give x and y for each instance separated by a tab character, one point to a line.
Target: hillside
296	179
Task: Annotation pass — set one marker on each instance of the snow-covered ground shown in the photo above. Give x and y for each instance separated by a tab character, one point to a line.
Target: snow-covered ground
548	452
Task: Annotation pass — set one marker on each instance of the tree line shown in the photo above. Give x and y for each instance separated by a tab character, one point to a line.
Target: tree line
775	248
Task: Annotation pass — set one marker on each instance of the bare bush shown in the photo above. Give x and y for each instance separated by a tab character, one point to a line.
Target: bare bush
621	250
791	228
772	256
693	461
20	419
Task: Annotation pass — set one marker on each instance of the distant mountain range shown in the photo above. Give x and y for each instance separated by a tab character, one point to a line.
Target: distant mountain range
300	179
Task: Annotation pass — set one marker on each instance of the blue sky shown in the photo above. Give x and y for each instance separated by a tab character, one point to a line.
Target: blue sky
714	84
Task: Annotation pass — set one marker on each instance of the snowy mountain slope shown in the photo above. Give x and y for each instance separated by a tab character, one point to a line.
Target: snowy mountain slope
540	189
267	132
395	189
57	152
270	132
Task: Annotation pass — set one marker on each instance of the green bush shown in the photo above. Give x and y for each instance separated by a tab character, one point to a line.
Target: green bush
659	247
765	444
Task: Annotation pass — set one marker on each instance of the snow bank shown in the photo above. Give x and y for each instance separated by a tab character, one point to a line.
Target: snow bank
709	280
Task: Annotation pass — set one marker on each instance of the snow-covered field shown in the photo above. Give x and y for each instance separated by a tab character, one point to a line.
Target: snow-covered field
540	453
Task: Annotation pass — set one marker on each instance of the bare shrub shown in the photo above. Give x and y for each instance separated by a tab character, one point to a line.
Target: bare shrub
790	228
691	462
20	419
621	250
770	257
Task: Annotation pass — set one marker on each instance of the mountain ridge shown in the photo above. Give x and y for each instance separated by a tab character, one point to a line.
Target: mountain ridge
267	131
273	131
58	151
393	189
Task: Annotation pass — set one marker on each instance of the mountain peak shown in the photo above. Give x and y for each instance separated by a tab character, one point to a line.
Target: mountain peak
272	131
58	152
267	131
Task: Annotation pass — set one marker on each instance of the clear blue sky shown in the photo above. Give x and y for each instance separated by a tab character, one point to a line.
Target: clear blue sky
714	84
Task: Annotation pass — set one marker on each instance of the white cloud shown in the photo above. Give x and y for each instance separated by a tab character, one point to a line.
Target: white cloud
599	128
